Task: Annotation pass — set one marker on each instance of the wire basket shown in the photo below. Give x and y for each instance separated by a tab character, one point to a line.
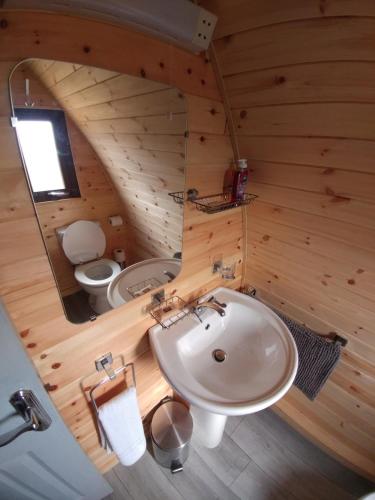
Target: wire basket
178	197
219	202
143	287
169	311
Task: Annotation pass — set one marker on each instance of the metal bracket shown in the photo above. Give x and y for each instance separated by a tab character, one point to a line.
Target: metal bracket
192	194
216	266
105	363
158	297
13	121
249	290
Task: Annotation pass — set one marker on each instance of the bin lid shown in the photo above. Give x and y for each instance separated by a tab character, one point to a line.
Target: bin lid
171	425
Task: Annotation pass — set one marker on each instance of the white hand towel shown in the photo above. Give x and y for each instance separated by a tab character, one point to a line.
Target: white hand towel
123	427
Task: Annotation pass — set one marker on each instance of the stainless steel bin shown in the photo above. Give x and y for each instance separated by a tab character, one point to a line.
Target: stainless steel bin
171	430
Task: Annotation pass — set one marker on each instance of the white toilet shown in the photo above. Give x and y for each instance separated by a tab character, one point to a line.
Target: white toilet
84	243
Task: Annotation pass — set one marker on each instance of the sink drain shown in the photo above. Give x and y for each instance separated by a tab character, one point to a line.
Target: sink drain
219	355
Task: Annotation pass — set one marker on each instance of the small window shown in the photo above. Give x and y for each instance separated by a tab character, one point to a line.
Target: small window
44	141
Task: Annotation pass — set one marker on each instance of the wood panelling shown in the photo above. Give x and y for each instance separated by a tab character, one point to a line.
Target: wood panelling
139	134
62	352
238	15
300	83
305	41
99	200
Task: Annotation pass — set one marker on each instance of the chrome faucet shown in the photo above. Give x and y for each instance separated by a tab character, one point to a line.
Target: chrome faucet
211	303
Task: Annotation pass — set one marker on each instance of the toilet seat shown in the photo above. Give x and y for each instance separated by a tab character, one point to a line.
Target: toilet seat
97	273
83	241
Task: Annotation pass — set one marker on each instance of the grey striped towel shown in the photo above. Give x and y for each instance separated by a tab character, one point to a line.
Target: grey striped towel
317	357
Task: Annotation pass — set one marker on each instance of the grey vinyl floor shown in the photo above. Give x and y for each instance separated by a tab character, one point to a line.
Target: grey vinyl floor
260	458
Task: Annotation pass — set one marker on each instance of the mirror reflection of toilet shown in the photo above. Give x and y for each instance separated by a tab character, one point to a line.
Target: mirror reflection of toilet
84	244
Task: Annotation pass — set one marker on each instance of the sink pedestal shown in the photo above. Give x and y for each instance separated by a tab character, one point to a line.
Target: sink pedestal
208	427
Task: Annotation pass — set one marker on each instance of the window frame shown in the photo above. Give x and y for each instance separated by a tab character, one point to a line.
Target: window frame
64	153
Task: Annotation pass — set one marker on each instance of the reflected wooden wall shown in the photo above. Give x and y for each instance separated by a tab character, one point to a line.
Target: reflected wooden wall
300	78
99	199
63	353
137	127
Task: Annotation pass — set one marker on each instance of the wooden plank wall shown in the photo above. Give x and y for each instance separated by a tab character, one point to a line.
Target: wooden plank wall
137	127
99	199
63	353
300	79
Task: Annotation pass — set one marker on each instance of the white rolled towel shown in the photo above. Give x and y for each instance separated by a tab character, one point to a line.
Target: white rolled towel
122	425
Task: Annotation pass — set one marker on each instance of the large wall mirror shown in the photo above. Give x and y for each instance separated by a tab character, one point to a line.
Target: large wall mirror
102	152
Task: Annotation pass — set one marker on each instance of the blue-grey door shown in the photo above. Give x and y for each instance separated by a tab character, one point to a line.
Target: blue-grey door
37	464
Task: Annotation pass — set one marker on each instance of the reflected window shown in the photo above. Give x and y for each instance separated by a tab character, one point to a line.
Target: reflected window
44	141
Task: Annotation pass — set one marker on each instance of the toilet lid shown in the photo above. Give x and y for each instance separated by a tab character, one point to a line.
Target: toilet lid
83	241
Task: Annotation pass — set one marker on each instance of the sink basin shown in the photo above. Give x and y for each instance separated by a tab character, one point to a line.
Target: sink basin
140	278
234	364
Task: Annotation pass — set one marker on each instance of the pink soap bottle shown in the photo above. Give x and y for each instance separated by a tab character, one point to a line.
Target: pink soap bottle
240	178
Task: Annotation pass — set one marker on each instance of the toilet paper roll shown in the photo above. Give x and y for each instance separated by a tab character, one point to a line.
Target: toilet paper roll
115	220
119	255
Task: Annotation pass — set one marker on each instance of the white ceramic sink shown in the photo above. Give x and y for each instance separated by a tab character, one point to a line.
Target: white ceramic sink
140	278
261	356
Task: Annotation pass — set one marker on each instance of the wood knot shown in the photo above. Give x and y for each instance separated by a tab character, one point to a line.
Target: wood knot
243	114
203	82
189	71
351	281
86	49
161	65
213	111
55	366
31	345
143	73
49	387
202	138
279	80
3	24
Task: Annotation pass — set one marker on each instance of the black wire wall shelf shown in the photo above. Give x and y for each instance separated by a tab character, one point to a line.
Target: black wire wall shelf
222	201
178	197
214	203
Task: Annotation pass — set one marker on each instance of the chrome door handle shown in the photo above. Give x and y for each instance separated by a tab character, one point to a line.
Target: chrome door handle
28	406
